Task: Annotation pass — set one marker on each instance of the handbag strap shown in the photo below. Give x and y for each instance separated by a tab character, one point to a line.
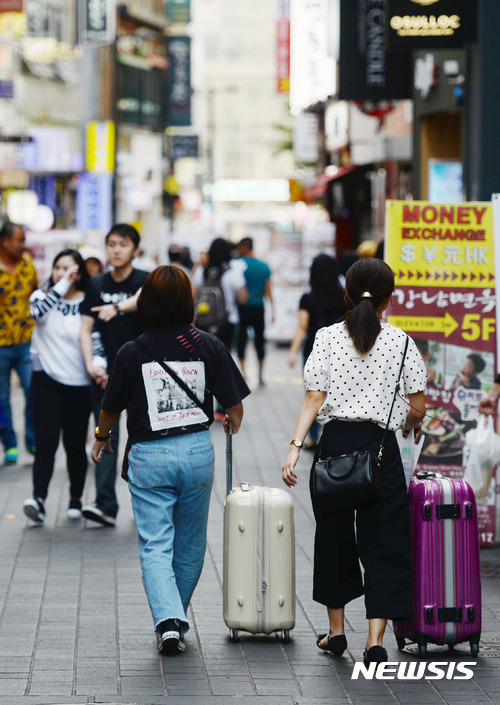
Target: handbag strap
172	374
398	387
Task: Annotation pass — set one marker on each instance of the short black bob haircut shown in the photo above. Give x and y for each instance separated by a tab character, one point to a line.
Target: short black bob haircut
166	298
124	230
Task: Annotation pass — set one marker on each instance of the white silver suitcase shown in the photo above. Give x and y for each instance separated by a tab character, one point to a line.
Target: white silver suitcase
259	558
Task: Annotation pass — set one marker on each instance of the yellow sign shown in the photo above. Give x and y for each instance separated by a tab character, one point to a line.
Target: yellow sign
100	155
445	245
422	26
416	324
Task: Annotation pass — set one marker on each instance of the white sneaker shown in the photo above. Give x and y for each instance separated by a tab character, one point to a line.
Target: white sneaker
34	510
92	512
74	511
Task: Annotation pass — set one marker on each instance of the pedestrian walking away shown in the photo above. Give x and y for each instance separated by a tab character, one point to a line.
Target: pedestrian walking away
218	288
17	282
109	307
60	385
351	377
258	281
322	306
166	380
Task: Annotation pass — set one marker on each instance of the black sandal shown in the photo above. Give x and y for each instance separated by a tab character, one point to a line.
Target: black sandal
336	645
377	654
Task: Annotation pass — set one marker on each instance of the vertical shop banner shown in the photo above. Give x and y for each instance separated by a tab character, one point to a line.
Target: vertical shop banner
179	96
96	21
100	150
93	202
442	256
283	47
179	11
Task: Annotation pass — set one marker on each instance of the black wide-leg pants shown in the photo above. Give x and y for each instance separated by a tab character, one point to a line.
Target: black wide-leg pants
378	535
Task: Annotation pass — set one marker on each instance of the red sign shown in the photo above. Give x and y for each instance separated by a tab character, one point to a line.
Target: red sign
11	6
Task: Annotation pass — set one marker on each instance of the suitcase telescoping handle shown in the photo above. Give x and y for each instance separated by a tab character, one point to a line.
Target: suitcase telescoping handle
426	475
229	461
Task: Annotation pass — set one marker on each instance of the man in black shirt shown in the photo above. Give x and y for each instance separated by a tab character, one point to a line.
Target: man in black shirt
109	307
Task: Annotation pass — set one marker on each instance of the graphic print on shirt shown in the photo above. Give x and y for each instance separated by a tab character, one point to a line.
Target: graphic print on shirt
168	405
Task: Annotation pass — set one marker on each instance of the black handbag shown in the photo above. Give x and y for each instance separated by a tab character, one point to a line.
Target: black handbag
178	380
353	479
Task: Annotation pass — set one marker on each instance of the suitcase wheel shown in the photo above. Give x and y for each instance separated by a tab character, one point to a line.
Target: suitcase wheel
285	635
234	635
401	642
422	649
474	648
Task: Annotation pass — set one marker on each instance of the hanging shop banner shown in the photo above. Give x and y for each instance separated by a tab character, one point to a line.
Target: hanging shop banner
93	202
442	256
96	21
439	24
179	11
283	47
179	98
100	151
367	70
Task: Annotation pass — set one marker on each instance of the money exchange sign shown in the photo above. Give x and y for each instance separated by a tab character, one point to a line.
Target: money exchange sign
442	256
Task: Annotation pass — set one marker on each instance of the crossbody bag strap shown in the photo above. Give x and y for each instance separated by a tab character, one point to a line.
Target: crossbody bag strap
172	374
398	387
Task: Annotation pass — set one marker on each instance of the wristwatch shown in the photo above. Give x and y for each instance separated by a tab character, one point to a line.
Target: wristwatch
297	442
99	437
118	310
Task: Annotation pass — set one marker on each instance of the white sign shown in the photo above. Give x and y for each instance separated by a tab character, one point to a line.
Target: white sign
305	138
312	72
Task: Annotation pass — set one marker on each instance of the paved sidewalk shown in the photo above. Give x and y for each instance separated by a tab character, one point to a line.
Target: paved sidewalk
75	626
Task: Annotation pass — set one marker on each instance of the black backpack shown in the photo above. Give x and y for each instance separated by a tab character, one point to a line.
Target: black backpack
210	305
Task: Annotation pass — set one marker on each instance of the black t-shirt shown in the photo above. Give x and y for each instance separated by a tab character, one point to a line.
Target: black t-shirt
155	403
318	318
102	289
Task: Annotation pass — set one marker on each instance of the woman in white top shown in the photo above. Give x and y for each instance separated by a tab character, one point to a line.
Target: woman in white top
351	376
232	282
60	386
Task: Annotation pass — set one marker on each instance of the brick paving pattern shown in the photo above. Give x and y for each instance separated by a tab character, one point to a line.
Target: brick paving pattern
75	626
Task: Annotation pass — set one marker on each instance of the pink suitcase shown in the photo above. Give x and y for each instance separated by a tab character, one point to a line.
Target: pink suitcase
446	574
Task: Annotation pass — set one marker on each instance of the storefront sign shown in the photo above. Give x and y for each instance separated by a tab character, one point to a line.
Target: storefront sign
312	71
96	21
179	11
283	47
100	152
416	24
179	104
367	70
11	5
442	256
93	202
184	146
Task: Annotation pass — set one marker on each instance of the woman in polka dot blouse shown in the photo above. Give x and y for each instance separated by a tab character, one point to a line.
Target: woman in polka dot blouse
351	376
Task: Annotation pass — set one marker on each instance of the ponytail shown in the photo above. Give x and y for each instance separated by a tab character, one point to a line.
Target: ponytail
369	282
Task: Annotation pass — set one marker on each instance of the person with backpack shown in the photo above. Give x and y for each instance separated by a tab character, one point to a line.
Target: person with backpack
322	306
219	288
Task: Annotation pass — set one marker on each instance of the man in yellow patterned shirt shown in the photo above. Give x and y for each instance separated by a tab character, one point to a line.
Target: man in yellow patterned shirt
17	283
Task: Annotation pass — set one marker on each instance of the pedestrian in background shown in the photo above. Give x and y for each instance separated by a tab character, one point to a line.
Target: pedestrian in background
60	384
220	269
17	282
322	306
258	281
109	306
351	375
171	461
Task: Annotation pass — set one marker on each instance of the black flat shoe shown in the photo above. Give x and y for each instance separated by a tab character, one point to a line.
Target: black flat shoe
377	654
336	645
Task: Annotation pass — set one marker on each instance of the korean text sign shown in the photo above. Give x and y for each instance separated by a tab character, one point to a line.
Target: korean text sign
442	256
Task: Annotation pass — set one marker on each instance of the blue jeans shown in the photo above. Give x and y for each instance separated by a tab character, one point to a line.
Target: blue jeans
170	481
16	357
